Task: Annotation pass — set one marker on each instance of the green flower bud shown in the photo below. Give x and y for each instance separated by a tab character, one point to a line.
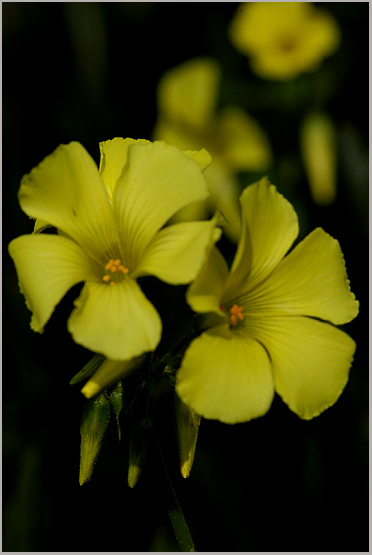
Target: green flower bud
88	369
139	444
117	402
188	423
93	426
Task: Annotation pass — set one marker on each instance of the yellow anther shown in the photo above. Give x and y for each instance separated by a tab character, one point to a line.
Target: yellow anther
114	267
236	312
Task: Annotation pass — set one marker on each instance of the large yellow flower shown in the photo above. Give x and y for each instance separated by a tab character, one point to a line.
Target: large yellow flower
188	118
268	321
284	39
110	224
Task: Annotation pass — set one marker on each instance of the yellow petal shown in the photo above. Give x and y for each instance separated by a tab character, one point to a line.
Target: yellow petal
311	361
226	376
205	293
310	281
47	267
117	321
223	185
66	191
158	180
177	135
114	155
187	94
201	157
178	251
246	145
224	196
269	228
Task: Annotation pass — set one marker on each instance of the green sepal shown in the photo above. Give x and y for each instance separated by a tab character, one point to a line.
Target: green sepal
88	369
94	422
117	401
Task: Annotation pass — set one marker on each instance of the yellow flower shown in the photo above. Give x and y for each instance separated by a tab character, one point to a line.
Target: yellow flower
110	232
187	118
284	39
268	321
319	153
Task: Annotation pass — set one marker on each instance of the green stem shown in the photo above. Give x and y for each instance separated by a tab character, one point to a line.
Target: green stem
178	350
179	524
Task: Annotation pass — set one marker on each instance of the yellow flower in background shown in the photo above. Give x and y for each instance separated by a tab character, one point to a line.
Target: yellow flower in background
284	39
268	321
187	117
110	232
319	153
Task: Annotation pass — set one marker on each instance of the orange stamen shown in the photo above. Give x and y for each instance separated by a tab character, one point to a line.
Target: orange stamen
236	312
114	267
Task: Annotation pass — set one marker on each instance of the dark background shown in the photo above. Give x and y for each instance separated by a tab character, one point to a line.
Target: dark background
88	72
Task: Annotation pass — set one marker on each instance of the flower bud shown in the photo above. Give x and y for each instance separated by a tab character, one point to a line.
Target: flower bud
109	373
188	423
318	145
139	444
95	419
117	402
88	369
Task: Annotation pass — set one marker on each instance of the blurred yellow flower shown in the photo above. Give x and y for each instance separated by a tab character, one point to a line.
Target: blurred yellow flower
110	224
319	153
187	117
284	39
266	324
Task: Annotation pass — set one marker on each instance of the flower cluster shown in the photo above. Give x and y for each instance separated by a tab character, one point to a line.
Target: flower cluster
265	322
266	325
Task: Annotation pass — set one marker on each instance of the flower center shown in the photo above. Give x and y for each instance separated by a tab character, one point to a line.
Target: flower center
114	272
287	45
236	313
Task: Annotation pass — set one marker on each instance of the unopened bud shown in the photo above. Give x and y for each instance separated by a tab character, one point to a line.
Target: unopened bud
319	152
188	423
140	440
95	419
117	402
88	369
109	373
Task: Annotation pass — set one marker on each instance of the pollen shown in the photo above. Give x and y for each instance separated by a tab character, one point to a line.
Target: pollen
115	271
236	313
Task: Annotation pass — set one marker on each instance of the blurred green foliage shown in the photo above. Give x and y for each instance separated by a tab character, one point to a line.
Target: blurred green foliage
88	72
